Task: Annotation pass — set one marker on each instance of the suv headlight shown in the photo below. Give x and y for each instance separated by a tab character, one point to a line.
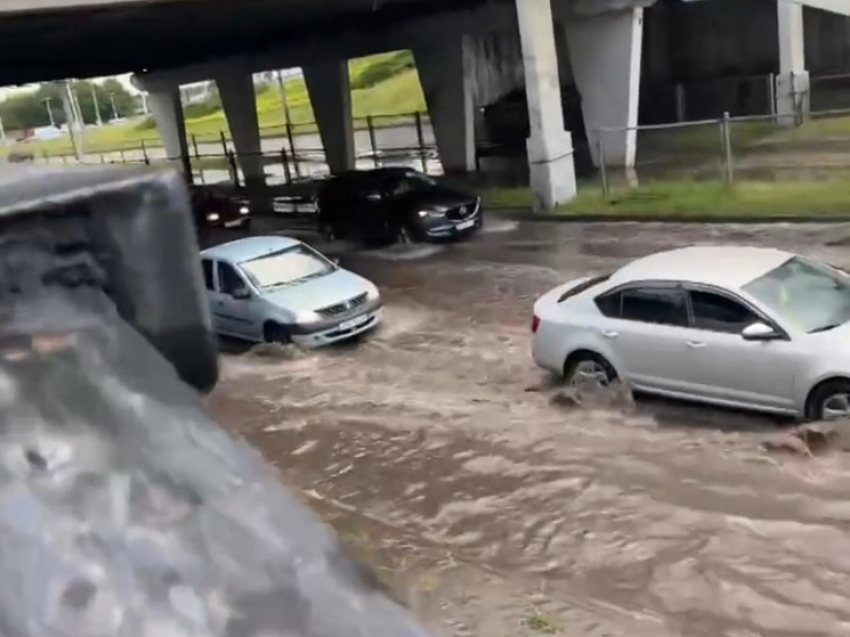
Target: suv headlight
432	214
244	210
213	216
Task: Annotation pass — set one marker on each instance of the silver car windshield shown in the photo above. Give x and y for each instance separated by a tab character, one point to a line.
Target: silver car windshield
810	296
286	267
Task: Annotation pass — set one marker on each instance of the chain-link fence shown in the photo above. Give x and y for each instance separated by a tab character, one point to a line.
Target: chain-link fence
814	146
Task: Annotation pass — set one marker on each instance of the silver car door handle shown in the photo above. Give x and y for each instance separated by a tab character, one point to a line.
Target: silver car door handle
695	344
609	334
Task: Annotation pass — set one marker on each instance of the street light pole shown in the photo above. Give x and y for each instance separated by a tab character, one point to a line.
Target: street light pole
50	112
284	98
114	109
98	118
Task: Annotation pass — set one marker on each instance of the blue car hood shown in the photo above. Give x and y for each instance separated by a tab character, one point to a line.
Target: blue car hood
315	294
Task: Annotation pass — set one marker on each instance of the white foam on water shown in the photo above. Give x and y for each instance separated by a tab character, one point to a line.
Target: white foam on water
492	227
405	252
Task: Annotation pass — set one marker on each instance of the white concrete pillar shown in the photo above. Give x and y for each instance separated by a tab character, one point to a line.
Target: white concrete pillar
792	83
445	77
550	147
605	54
238	98
330	95
168	114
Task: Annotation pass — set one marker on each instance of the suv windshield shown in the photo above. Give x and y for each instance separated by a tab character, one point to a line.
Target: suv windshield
420	181
810	296
286	267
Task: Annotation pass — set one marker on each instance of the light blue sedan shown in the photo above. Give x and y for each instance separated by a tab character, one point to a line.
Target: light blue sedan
278	289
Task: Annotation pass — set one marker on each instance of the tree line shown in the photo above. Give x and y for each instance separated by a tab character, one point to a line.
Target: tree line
34	109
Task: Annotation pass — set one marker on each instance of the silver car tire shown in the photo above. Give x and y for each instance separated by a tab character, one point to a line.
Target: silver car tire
274	333
829	401
586	367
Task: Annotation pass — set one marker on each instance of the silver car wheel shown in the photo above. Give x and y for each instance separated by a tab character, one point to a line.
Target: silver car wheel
836	406
589	371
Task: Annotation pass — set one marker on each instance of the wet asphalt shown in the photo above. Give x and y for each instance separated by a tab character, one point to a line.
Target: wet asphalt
434	447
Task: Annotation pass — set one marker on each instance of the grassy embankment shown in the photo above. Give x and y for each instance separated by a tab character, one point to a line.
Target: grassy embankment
683	199
385	86
767	152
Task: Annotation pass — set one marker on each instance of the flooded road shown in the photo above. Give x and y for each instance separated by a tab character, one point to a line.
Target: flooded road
435	449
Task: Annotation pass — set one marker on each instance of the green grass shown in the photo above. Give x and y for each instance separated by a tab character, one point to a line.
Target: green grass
389	91
682	199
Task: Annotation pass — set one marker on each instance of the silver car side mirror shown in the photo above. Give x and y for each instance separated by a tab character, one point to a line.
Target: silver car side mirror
759	332
241	293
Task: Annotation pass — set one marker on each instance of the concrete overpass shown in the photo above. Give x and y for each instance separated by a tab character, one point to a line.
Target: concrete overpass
169	42
172	42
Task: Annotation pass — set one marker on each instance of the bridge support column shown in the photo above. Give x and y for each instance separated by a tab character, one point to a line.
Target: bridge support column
605	54
330	94
167	112
550	147
792	83
446	84
238	98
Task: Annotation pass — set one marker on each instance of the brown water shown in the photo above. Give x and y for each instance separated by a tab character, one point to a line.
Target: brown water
434	448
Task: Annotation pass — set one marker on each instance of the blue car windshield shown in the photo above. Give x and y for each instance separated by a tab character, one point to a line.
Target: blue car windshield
286	267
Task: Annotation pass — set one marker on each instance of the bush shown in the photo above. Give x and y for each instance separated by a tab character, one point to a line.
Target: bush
383	70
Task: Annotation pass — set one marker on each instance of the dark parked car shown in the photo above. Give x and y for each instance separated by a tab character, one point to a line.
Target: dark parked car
388	205
219	210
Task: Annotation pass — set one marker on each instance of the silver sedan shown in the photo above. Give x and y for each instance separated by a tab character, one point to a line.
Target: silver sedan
742	327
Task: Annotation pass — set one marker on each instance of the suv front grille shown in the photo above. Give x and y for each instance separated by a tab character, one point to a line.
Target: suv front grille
462	212
343	308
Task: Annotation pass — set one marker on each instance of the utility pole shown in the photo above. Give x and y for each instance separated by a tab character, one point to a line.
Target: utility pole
98	118
114	109
50	112
71	119
284	98
145	103
2	133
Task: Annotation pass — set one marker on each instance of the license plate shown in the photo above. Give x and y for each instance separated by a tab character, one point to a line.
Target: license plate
463	225
232	224
347	325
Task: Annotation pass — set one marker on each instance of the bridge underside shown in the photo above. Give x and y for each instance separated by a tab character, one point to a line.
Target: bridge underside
94	40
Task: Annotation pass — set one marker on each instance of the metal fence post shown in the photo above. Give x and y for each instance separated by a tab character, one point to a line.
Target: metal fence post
223	139
287	173
291	139
234	170
370	124
727	148
145	153
121	155
420	136
195	146
600	158
681	109
771	94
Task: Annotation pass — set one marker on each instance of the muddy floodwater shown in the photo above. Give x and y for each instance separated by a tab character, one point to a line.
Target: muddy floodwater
433	446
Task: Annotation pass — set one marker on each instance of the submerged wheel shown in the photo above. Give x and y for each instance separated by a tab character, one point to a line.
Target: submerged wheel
404	235
274	333
829	401
588	367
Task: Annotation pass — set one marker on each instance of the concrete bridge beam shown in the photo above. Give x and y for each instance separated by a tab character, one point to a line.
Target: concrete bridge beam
330	94
445	78
167	111
550	147
605	54
238	98
792	83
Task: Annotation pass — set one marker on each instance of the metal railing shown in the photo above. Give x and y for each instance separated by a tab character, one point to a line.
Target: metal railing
799	146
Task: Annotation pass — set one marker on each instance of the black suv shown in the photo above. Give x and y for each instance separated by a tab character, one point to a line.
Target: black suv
389	205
